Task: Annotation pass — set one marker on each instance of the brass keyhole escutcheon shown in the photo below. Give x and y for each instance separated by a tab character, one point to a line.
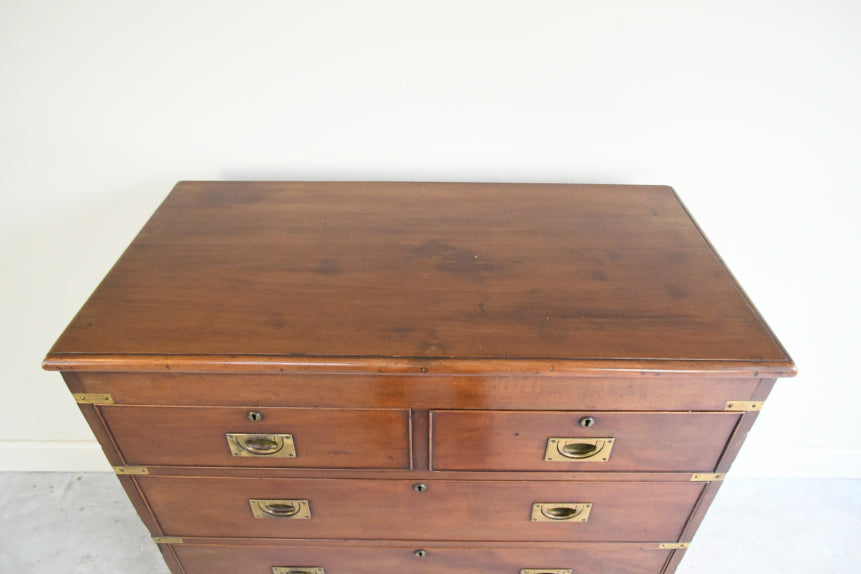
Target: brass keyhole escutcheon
255	416
420	553
587	422
420	487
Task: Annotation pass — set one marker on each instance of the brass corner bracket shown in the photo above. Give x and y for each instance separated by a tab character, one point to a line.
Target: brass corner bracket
743	406
131	470
166	540
706	477
93	398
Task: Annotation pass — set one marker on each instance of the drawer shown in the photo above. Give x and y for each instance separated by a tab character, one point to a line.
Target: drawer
557	441
321	438
444	510
260	559
669	392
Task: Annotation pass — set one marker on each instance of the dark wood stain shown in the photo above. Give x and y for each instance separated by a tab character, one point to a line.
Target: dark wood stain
328	267
455	260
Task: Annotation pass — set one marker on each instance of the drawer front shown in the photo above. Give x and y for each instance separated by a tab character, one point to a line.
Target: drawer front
669	392
442	510
581	441
260	559
321	438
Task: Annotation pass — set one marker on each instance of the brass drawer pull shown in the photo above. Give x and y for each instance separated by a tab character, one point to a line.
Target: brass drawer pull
545	571
271	445
297	570
561	511
282	509
578	449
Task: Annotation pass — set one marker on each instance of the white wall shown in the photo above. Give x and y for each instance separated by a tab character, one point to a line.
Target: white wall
749	108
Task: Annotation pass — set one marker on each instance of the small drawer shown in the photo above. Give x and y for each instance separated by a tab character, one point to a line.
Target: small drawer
479	510
579	441
419	558
260	437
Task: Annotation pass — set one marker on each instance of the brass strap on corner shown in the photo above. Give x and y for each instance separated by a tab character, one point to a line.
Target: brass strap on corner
706	477
743	406
166	540
673	545
93	398
125	470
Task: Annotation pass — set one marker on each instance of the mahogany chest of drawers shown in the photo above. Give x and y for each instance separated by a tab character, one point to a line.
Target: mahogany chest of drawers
356	378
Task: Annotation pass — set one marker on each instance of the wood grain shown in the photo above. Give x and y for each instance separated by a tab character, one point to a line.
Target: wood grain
324	438
454	272
410	333
448	510
168	552
640	392
230	559
510	441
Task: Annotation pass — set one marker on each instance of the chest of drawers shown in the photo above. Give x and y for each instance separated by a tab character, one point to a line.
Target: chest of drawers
330	378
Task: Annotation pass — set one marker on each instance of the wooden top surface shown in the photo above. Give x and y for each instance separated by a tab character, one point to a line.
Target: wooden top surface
452	277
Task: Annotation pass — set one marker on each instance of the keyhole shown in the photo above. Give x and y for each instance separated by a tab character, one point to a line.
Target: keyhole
255	416
420	487
421	553
586	422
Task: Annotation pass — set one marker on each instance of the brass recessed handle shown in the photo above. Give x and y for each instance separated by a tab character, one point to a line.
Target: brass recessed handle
261	444
271	445
297	570
282	509
545	571
561	511
578	449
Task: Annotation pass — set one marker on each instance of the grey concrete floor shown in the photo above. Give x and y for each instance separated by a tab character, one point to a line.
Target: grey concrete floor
83	523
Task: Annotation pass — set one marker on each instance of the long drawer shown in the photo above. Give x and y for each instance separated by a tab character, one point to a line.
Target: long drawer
434	510
582	441
282	437
416	559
